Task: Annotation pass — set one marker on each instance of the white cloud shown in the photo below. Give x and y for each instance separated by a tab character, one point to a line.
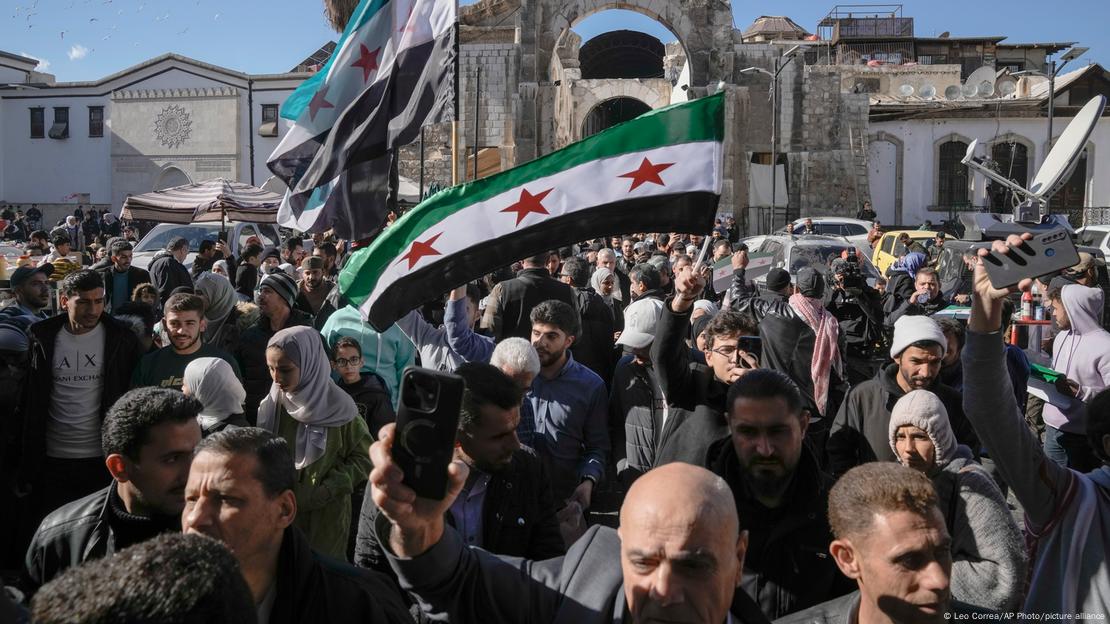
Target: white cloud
78	52
44	65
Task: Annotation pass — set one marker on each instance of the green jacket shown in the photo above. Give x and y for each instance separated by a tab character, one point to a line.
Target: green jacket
324	487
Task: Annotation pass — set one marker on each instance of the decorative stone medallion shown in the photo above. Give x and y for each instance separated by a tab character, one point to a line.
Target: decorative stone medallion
172	126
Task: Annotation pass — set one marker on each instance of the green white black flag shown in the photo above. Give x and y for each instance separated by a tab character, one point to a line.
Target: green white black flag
660	172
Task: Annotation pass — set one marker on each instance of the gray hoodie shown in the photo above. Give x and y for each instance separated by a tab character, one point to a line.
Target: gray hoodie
1082	353
988	553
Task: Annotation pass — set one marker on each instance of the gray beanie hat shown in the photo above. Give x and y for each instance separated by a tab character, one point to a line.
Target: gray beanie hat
911	329
923	410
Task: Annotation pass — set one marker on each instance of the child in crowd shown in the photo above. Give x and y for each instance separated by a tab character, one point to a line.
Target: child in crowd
369	393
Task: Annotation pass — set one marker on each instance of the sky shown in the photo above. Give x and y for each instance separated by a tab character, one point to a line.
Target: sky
79	40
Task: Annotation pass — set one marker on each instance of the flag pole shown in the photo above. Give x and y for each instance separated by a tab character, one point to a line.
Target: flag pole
455	117
420	198
477	103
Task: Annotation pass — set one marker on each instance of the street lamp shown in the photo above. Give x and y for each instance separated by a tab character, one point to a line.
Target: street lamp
1073	53
780	64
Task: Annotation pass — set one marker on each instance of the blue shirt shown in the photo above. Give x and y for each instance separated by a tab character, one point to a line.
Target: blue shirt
466	511
464	341
119	288
571	419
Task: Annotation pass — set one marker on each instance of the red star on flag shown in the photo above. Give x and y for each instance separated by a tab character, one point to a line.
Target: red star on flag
646	173
528	203
367	60
318	102
420	249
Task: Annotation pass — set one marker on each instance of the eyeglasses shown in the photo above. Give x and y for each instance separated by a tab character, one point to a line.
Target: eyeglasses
345	362
746	344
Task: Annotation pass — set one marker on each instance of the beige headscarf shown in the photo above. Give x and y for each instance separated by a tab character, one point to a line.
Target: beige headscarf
317	403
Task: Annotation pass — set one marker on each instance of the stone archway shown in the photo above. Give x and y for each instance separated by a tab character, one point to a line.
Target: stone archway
170	177
590	94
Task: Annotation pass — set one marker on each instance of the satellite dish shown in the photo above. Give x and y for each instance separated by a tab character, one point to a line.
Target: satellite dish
986	89
1057	167
952	92
928	92
906	90
1065	154
969	90
1006	86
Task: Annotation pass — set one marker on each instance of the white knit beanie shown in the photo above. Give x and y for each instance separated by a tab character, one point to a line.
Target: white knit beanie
911	329
923	410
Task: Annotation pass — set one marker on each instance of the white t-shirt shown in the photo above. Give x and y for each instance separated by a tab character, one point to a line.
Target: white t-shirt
73	425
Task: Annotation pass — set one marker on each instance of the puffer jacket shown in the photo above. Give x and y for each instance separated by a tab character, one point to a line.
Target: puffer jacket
636	418
988	552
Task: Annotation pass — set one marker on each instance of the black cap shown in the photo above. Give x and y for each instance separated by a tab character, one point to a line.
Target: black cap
777	279
22	274
810	282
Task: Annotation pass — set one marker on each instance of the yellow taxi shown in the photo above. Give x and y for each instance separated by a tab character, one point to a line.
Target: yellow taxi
888	249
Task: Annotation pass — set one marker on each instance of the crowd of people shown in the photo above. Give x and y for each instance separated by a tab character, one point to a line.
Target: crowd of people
633	445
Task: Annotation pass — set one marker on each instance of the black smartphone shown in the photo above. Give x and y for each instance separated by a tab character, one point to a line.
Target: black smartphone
222	236
752	345
427	420
1046	253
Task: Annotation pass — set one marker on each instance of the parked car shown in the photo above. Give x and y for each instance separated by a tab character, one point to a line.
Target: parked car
1094	236
888	249
794	252
854	230
238	233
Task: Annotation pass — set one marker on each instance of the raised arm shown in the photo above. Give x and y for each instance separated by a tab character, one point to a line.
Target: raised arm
1043	486
461	337
669	353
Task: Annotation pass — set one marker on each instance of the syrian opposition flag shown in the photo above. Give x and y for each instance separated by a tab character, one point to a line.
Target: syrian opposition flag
660	172
392	72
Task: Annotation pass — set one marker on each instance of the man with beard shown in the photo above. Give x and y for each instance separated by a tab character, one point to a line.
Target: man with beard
148	438
570	406
120	277
859	432
781	494
313	290
926	300
505	506
185	324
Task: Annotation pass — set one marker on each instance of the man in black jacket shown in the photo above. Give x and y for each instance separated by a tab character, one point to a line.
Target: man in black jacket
781	494
81	363
859	432
240	491
506	506
120	278
594	347
510	302
148	438
276	295
695	393
167	271
927	298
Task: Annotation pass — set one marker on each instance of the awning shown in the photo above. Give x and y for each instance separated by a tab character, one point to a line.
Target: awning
211	200
268	129
60	130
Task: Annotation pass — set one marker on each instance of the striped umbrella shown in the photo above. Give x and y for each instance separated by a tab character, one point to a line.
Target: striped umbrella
212	200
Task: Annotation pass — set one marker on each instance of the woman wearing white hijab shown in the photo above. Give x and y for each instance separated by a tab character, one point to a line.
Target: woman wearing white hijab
212	382
322	426
222	331
604	283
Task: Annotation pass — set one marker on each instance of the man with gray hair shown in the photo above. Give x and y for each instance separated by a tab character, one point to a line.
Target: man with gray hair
517	358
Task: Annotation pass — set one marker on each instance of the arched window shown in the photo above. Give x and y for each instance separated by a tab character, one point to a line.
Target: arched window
612	112
952	175
1011	160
